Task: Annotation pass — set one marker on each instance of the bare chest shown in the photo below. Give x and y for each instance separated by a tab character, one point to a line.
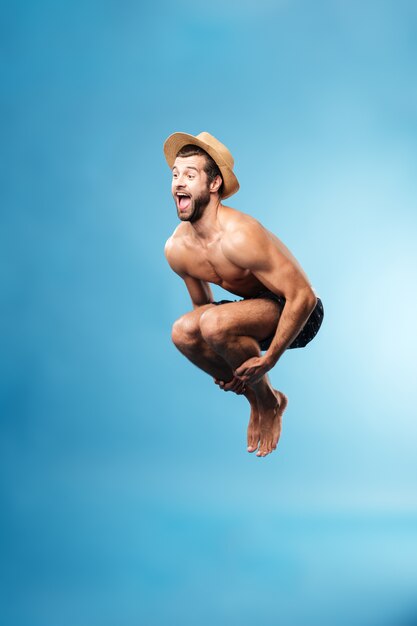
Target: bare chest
211	265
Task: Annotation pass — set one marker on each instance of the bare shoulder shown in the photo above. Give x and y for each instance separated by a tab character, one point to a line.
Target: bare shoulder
248	244
236	225
243	233
175	249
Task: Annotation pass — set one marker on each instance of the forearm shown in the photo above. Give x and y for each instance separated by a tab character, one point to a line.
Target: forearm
200	292
206	297
293	318
198	305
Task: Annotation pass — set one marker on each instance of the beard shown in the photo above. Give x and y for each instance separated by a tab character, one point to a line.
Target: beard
198	204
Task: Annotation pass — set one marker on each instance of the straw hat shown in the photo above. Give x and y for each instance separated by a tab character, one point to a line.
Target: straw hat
218	152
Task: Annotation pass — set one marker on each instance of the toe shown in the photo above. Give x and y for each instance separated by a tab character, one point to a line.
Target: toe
252	444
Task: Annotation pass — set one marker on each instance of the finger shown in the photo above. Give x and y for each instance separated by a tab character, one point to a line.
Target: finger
234	385
237	384
248	378
238	387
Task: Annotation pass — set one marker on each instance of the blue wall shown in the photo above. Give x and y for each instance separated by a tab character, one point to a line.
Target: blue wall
127	494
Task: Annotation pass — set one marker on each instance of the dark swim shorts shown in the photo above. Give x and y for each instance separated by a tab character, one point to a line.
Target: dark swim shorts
309	331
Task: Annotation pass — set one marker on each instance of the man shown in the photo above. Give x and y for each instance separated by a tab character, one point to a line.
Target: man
217	244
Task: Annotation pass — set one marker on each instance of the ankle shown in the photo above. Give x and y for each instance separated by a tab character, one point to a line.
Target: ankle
266	397
250	395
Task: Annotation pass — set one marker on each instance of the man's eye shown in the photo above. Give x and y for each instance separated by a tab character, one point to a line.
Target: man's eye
175	176
190	176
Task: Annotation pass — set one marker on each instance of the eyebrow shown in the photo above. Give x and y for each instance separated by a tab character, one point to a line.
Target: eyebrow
188	167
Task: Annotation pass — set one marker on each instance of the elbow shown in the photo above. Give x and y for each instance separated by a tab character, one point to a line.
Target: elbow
310	299
305	301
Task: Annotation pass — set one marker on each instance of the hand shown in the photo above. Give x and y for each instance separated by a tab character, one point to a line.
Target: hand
252	370
235	385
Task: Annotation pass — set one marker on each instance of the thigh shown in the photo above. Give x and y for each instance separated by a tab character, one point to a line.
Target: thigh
257	317
190	322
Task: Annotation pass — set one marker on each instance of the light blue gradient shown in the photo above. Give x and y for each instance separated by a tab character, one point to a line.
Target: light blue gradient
127	495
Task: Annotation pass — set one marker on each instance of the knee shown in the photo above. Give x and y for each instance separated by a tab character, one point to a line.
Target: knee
213	327
185	333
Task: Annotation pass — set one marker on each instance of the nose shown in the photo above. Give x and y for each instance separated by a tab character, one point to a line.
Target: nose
180	180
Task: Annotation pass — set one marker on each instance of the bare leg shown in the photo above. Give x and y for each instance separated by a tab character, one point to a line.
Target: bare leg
253	432
266	420
220	338
271	424
187	337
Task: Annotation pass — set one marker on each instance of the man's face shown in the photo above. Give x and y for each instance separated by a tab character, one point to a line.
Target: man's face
190	187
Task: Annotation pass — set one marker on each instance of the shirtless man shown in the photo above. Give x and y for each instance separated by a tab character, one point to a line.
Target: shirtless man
217	244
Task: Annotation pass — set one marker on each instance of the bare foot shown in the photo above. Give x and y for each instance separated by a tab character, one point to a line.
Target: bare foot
253	427
270	424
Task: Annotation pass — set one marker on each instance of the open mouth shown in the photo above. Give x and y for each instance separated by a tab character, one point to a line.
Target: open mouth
184	200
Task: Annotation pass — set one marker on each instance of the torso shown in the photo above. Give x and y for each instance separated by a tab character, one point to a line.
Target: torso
209	264
205	260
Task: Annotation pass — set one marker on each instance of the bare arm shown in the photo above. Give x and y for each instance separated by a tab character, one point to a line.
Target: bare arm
252	247
300	301
199	290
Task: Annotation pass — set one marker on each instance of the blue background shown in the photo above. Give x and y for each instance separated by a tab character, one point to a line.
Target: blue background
127	494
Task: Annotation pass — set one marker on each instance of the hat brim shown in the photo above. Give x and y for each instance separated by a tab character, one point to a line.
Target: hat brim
176	141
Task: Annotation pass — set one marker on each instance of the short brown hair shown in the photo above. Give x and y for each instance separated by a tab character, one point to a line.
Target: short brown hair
210	167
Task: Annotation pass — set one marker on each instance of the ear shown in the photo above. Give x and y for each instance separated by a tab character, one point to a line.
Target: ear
216	184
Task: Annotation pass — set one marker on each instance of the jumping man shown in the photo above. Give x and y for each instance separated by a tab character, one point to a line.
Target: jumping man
217	244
